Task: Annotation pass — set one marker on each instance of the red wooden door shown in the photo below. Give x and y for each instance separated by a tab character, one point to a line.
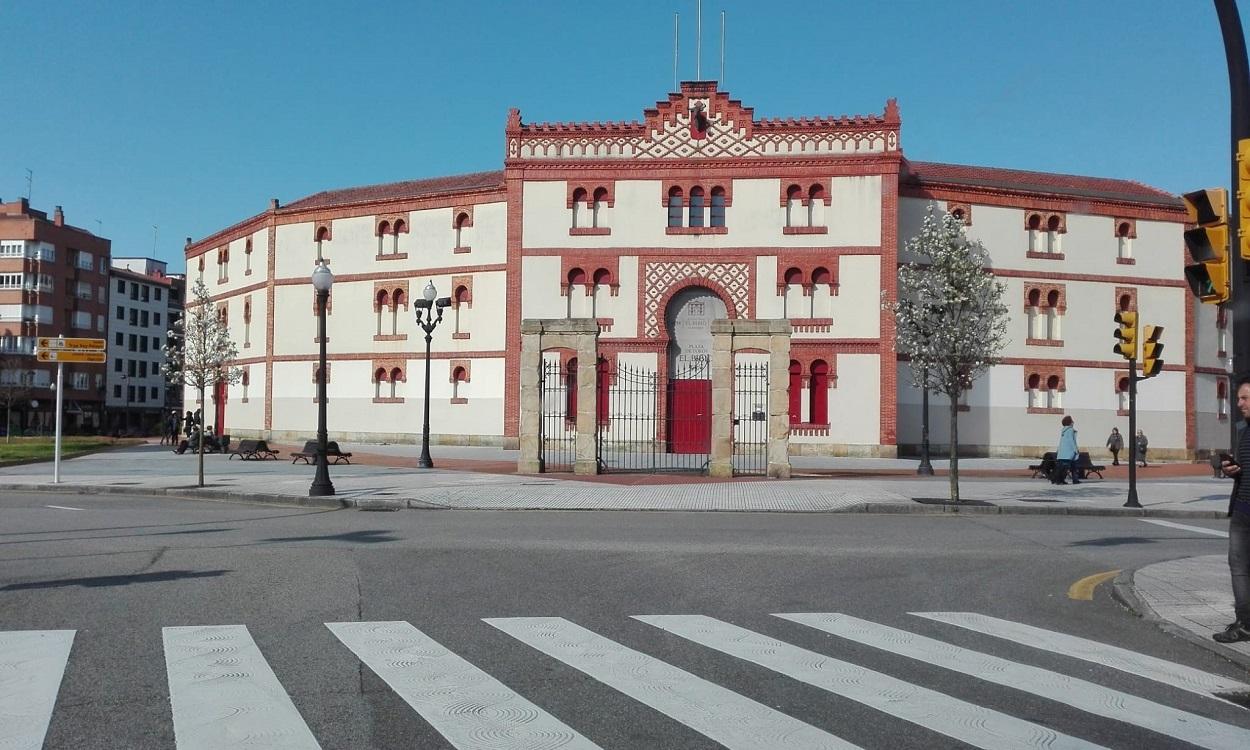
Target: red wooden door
690	416
219	399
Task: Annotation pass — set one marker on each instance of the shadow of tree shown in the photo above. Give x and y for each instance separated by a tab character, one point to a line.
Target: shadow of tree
125	580
1113	541
375	536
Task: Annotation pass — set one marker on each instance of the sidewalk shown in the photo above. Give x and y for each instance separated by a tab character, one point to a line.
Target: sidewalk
1187	596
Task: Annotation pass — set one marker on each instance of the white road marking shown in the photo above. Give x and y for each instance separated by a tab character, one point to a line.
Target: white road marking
223	693
1159	670
1082	695
733	720
467	706
61	507
32	663
969	723
1183	527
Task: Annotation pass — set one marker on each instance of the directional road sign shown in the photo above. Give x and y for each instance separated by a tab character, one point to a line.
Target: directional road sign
49	343
77	355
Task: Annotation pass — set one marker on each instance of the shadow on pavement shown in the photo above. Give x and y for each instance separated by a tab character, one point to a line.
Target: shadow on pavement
356	537
103	581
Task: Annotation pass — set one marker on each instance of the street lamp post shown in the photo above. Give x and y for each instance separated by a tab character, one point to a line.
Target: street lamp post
428	321
322	280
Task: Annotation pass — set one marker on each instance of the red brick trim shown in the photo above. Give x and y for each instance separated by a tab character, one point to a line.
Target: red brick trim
451	369
389	365
391	256
956	206
809	429
1008	273
395	224
696	230
591	187
1126	291
1044	373
589	231
805	230
1045	410
329	371
463	210
391	293
1043	342
805	185
1117	376
388	400
1044	293
809	267
390	337
323	229
887	357
592	265
460	335
1044	220
1117	222
462	281
1126	261
1044	256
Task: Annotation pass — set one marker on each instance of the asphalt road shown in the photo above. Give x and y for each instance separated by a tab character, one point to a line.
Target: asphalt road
119	570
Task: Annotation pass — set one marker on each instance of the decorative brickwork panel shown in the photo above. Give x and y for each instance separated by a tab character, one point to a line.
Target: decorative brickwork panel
323	229
1124	228
387	368
1125	299
391	224
591	188
1044	373
806	188
961	211
1044	221
390	294
457	283
459	211
662	278
1046	296
329	372
461	364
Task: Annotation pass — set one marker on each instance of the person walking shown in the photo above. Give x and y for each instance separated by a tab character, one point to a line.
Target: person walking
188	422
1142	444
1065	455
1239	525
167	430
1115	444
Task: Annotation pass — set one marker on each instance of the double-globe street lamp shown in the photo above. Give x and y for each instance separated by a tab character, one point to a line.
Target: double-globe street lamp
428	321
322	280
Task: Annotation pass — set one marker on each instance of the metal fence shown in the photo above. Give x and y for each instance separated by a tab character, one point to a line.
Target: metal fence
649	425
557	423
750	419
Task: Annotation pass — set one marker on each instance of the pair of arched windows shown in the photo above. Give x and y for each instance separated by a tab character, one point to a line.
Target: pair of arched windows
386	382
1052	226
817	392
699	203
388	236
588	209
803	206
1049	397
391	299
1045	315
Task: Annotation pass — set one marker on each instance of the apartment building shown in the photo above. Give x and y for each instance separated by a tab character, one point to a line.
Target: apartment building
136	389
53	280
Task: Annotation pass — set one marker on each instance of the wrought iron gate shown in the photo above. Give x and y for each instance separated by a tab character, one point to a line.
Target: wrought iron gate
557	422
647	425
750	418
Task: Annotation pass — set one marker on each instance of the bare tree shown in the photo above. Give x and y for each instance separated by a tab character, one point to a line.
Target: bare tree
14	388
199	353
951	319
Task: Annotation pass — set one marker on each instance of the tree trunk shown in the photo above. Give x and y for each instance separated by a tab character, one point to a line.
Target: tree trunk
954	472
8	423
200	448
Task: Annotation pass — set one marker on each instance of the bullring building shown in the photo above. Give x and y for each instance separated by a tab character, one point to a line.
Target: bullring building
702	210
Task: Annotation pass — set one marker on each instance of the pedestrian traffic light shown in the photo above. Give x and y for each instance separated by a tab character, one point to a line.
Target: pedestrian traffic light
1127	334
1243	197
1208	244
1151	351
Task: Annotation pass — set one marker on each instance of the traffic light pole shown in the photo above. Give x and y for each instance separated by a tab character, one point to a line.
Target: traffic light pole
1239	100
1132	501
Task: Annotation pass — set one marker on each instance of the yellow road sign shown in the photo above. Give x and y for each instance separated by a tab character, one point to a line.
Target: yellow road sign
49	343
62	355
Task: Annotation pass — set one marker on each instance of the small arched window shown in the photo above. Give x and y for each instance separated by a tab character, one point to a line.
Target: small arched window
814	195
458	376
570	390
674	207
400	226
579	199
794	198
461	221
1034	386
396	376
600	201
696	206
379	377
1126	302
718	207
818	390
796	392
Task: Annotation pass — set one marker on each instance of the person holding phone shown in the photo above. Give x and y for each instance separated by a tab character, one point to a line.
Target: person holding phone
1239	525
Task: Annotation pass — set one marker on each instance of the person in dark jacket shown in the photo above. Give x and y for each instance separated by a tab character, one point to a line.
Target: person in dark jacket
1239	525
1142	445
1115	444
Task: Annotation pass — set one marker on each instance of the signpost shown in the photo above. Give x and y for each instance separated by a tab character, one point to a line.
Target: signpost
61	350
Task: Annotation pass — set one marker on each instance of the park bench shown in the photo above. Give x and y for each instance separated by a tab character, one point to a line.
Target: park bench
1046	468
1084	467
310	452
253	449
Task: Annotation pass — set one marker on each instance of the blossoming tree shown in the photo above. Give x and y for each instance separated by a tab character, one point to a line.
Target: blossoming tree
950	317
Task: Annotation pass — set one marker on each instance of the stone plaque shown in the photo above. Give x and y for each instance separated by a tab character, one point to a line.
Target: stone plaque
689	318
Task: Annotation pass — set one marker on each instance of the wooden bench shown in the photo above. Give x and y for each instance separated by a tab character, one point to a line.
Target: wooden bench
257	450
310	452
1084	467
1046	468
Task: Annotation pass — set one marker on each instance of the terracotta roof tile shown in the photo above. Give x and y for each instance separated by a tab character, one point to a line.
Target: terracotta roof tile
398	190
923	173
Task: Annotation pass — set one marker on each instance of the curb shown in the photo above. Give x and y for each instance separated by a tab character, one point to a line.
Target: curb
1123	591
398	503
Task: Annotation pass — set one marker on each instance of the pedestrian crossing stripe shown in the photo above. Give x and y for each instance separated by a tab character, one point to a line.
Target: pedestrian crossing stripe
1082	695
223	694
1122	659
32	663
974	725
466	705
733	720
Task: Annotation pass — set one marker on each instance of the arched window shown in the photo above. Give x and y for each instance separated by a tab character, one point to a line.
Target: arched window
1052	234
1035	385
381	302
579	199
815	196
384	229
796	392
1052	393
822	288
458	376
1052	316
461	221
794	199
818	390
379	377
602	286
576	278
1122	395
400	226
1126	302
674	207
397	299
696	206
1124	240
459	300
570	391
958	214
600	200
396	376
793	296
1035	228
718	207
1221	399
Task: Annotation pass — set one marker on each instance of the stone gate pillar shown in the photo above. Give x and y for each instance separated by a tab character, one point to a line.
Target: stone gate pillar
537	336
728	337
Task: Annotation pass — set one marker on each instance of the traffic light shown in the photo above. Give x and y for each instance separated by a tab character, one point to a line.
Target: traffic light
1208	244
1151	351
1127	334
1243	197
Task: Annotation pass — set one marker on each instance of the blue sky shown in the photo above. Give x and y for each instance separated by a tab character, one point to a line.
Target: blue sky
191	116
